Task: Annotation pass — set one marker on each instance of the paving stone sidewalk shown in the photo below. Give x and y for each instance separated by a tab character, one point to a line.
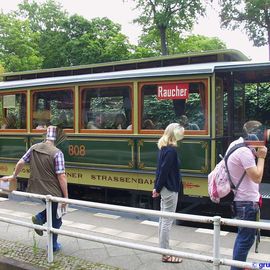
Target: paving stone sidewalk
31	257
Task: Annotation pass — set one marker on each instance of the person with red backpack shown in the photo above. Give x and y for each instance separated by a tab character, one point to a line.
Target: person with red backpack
250	162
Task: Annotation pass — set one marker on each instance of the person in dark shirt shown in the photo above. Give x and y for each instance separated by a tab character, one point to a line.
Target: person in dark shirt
167	182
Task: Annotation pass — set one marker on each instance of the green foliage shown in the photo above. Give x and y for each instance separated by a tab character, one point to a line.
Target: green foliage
150	40
198	43
253	15
153	109
42	35
142	52
176	44
48	20
2	70
95	41
163	112
257	100
18	50
43	17
173	15
35	245
113	45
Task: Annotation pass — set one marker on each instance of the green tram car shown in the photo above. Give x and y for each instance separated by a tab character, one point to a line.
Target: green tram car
114	113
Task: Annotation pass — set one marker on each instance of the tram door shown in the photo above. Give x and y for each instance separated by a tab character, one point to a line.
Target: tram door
242	96
251	102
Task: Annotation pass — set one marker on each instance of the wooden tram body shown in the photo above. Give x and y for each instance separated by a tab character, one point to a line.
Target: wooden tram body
103	160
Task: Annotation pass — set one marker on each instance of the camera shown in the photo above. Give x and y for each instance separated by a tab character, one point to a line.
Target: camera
267	136
257	140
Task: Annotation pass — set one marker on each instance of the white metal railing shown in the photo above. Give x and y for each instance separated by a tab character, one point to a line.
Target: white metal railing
215	259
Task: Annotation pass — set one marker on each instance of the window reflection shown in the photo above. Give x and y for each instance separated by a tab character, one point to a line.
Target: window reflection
13	111
53	108
189	111
106	108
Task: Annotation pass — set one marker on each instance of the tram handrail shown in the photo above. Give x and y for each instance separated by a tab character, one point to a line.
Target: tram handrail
217	221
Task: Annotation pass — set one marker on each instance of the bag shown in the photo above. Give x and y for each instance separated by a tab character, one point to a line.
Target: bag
220	185
61	211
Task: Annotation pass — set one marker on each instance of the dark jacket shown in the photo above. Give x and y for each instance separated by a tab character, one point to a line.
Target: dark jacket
168	174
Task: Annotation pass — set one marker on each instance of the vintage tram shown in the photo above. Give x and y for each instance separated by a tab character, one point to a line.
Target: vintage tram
114	113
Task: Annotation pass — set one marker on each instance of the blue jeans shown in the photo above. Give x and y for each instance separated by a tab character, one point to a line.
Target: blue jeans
244	210
56	223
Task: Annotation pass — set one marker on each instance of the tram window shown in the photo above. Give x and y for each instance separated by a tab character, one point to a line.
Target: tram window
53	108
13	111
106	108
160	110
257	99
251	102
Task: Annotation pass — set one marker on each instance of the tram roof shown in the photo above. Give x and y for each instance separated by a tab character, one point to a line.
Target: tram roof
212	56
193	69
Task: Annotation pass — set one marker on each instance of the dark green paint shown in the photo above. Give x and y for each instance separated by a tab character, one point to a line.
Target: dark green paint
192	155
98	152
115	153
12	147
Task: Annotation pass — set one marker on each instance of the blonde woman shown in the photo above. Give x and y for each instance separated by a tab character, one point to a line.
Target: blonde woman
167	183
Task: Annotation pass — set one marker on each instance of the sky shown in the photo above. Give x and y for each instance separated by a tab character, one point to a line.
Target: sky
123	13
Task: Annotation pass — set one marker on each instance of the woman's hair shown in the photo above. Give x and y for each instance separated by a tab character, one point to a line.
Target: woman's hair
168	137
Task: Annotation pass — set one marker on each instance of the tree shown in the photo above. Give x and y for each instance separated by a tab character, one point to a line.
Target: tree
163	15
48	16
138	52
253	15
19	44
2	70
198	43
113	43
176	44
47	19
95	41
64	40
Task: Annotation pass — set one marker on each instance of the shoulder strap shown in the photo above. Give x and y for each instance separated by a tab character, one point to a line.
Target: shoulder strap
231	150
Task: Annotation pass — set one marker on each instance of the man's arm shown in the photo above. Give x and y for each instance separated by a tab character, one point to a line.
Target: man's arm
256	173
19	166
63	184
59	163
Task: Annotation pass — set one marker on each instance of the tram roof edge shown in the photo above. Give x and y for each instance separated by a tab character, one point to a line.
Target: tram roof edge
236	66
194	69
127	74
151	62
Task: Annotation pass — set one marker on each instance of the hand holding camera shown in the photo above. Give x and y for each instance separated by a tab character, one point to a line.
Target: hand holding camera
261	152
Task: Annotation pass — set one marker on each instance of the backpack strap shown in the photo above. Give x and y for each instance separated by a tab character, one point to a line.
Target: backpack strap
231	150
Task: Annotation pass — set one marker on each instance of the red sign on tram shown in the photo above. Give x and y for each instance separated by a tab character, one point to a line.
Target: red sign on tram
173	91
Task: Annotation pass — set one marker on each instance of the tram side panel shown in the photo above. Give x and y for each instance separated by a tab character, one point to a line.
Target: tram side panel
117	163
130	164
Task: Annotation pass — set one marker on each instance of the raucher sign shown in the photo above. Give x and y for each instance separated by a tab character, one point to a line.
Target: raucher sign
173	91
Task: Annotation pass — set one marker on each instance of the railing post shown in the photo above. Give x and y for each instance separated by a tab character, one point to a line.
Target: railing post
49	226
216	243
